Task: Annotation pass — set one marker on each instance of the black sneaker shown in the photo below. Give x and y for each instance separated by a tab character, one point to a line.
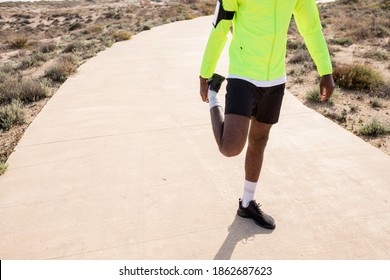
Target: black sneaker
254	212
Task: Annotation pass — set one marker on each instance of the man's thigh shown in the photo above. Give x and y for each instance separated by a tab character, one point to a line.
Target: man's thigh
235	133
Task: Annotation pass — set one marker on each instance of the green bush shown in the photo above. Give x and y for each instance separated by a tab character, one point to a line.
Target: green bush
11	115
374	128
3	168
357	77
313	95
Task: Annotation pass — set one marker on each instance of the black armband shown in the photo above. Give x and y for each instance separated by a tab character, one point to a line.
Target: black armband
221	14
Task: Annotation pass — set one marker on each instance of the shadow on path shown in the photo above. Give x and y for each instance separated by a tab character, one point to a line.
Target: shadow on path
241	230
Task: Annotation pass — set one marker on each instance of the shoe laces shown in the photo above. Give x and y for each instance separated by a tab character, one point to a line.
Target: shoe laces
258	205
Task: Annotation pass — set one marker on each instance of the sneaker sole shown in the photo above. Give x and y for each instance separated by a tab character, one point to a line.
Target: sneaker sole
242	214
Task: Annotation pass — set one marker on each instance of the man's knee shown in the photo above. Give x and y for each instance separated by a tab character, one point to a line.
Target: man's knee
231	151
258	141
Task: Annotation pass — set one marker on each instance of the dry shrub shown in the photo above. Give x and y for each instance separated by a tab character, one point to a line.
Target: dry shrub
302	57
121	35
348	2
3	77
47	47
75	26
383	91
62	69
205	8
18	41
107	41
170	11
362	20
25	90
7	68
94	29
74	47
9	90
376	103
376	54
34	60
295	44
385	5
358	77
11	115
26	63
31	90
341	41
340	117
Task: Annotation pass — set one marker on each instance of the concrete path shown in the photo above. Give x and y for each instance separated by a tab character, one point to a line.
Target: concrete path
121	164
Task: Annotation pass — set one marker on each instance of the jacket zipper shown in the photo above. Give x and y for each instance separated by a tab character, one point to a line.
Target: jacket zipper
273	41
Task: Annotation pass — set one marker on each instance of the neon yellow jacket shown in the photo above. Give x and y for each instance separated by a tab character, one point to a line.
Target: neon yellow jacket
258	47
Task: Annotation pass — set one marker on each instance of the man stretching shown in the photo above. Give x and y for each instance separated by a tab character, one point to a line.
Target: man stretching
256	80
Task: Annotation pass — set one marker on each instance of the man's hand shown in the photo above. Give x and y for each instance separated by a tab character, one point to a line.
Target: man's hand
326	87
204	87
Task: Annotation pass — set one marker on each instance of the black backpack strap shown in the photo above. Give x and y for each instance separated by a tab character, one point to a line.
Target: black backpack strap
221	14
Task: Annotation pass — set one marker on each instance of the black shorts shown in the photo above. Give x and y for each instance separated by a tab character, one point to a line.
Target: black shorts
245	99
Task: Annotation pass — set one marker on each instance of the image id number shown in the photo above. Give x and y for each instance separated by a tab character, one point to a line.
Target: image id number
249	270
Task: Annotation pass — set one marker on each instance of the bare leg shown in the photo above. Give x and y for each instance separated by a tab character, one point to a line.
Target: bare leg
257	141
230	131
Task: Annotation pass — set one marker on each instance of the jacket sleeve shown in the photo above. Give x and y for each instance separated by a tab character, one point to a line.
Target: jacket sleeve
223	17
308	22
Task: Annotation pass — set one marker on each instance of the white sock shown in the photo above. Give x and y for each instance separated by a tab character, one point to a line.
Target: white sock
213	99
249	193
